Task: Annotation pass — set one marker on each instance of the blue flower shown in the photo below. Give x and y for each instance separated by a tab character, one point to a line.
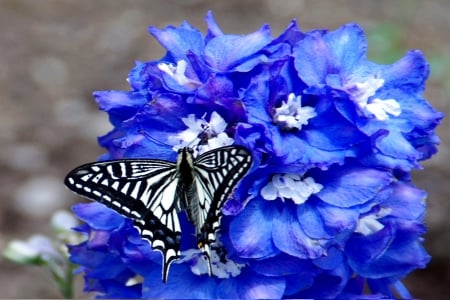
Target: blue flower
328	206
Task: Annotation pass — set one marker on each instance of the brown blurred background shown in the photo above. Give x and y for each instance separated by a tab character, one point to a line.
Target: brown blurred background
55	53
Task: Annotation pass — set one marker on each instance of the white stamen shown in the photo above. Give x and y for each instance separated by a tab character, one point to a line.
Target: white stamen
381	109
290	186
291	114
178	73
134	280
214	131
369	224
220	269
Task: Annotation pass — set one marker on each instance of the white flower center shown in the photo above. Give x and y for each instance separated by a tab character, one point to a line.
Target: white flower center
290	186
291	114
222	267
369	224
381	109
178	73
198	130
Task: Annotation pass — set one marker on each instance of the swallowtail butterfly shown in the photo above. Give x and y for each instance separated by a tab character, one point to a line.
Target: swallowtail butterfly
151	192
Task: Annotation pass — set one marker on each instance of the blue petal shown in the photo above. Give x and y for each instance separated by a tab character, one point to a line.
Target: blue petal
213	29
393	251
350	186
164	114
298	282
98	216
396	145
182	283
406	202
179	41
282	265
125	101
141	258
102	265
114	289
99	240
255	97
332	260
320	220
328	284
251	230
311	156
289	237
252	286
354	290
408	74
311	221
218	87
259	287
290	35
225	52
334	126
321	53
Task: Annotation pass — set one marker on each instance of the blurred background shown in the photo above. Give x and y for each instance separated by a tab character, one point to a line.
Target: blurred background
55	53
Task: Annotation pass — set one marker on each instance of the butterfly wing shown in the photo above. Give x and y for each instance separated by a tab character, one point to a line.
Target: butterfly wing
216	174
143	190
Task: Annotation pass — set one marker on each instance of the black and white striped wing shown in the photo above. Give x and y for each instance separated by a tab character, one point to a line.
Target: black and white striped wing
216	174
143	190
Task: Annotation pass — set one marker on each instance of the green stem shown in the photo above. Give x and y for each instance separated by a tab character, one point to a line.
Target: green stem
64	281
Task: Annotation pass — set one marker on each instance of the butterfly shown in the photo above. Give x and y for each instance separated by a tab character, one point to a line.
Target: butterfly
151	192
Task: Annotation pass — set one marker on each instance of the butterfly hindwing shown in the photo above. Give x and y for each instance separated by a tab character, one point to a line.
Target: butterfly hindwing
217	173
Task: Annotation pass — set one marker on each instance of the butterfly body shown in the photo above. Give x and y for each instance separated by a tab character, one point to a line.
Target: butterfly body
151	192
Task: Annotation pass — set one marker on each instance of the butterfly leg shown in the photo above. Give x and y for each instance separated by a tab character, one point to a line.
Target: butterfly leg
206	250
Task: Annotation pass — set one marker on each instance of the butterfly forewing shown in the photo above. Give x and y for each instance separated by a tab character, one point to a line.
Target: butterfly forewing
151	192
126	186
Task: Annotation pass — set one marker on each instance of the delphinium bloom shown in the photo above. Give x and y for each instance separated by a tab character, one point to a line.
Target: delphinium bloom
327	210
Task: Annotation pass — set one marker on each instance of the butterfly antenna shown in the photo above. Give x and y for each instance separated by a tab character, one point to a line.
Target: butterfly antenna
140	131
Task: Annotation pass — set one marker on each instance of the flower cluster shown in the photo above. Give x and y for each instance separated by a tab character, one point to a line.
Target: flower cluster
328	207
